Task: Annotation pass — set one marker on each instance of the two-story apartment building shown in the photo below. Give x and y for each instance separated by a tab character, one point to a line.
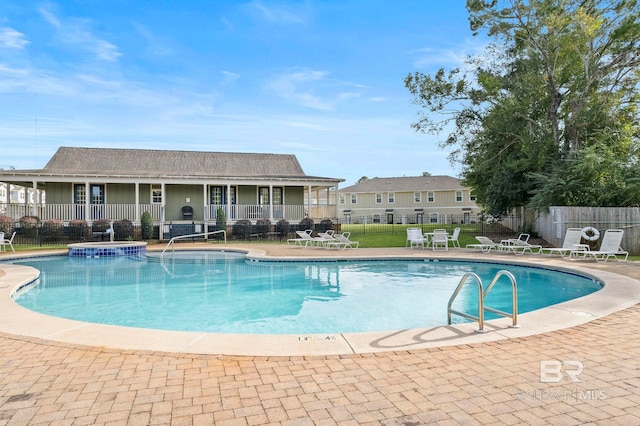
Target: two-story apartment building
417	199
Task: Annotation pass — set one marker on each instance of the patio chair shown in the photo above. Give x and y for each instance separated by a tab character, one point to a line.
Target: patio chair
440	239
572	238
485	244
609	247
306	238
520	246
415	238
453	238
4	242
344	241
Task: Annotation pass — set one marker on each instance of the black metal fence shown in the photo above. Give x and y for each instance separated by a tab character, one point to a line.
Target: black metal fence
54	233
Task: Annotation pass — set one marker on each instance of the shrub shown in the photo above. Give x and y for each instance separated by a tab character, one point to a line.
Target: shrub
221	221
306	223
29	226
324	225
146	223
263	227
52	230
6	225
123	230
242	229
282	228
78	229
100	225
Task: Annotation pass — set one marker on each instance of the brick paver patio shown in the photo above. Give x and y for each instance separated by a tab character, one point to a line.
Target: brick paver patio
512	381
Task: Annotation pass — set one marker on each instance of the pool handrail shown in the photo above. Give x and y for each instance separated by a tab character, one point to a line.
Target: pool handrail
201	234
482	294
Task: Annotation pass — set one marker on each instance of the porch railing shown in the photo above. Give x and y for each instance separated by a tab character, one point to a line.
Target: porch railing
253	212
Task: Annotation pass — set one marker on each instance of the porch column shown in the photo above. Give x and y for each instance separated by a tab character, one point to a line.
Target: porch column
309	201
228	201
87	199
137	201
271	202
164	202
205	214
34	208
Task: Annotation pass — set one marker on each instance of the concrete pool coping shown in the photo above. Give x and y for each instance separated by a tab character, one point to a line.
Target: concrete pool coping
619	292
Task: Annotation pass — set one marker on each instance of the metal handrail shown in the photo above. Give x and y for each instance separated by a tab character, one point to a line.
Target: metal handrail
480	317
514	297
482	294
201	234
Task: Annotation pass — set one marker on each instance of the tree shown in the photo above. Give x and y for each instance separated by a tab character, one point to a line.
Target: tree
557	86
426	174
362	179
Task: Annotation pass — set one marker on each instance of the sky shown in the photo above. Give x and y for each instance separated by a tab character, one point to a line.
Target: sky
322	80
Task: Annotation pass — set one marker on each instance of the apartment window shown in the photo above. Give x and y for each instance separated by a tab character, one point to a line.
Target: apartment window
417	197
391	197
472	196
156	194
433	217
378	198
458	196
431	197
342	199
354	198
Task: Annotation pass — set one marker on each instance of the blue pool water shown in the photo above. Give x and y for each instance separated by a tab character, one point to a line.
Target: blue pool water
224	292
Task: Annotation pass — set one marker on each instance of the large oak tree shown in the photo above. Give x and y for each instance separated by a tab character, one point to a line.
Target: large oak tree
548	115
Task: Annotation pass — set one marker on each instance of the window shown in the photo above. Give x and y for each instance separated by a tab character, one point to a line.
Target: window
263	195
472	196
433	217
342	199
277	196
79	194
417	197
156	194
378	198
458	196
391	197
354	199
431	197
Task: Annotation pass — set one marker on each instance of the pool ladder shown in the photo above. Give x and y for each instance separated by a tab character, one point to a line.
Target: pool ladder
482	294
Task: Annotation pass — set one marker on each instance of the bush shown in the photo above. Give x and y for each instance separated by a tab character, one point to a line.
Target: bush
306	223
146	223
324	225
242	229
123	230
6	225
282	228
221	222
29	226
52	230
263	227
78	229
100	225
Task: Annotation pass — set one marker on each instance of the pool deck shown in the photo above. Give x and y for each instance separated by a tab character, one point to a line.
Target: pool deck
447	375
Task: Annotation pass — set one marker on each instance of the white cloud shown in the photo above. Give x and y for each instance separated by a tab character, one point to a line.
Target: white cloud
12	39
288	86
273	14
76	32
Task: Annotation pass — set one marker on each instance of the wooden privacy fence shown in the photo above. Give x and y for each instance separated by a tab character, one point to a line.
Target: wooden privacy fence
552	226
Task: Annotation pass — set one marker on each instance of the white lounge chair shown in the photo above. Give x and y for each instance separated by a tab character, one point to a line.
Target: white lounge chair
453	238
440	240
415	238
326	237
520	246
609	247
572	238
485	244
306	238
343	241
4	242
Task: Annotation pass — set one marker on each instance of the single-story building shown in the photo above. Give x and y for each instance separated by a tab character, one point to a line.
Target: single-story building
414	199
173	186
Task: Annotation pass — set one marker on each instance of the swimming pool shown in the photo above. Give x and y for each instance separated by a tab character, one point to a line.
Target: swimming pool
224	292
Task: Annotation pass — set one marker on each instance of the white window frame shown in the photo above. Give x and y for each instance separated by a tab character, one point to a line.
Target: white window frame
391	198
417	197
378	198
431	197
342	199
154	188
459	197
354	198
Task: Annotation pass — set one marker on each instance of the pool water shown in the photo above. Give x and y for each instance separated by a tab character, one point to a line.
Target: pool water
226	293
